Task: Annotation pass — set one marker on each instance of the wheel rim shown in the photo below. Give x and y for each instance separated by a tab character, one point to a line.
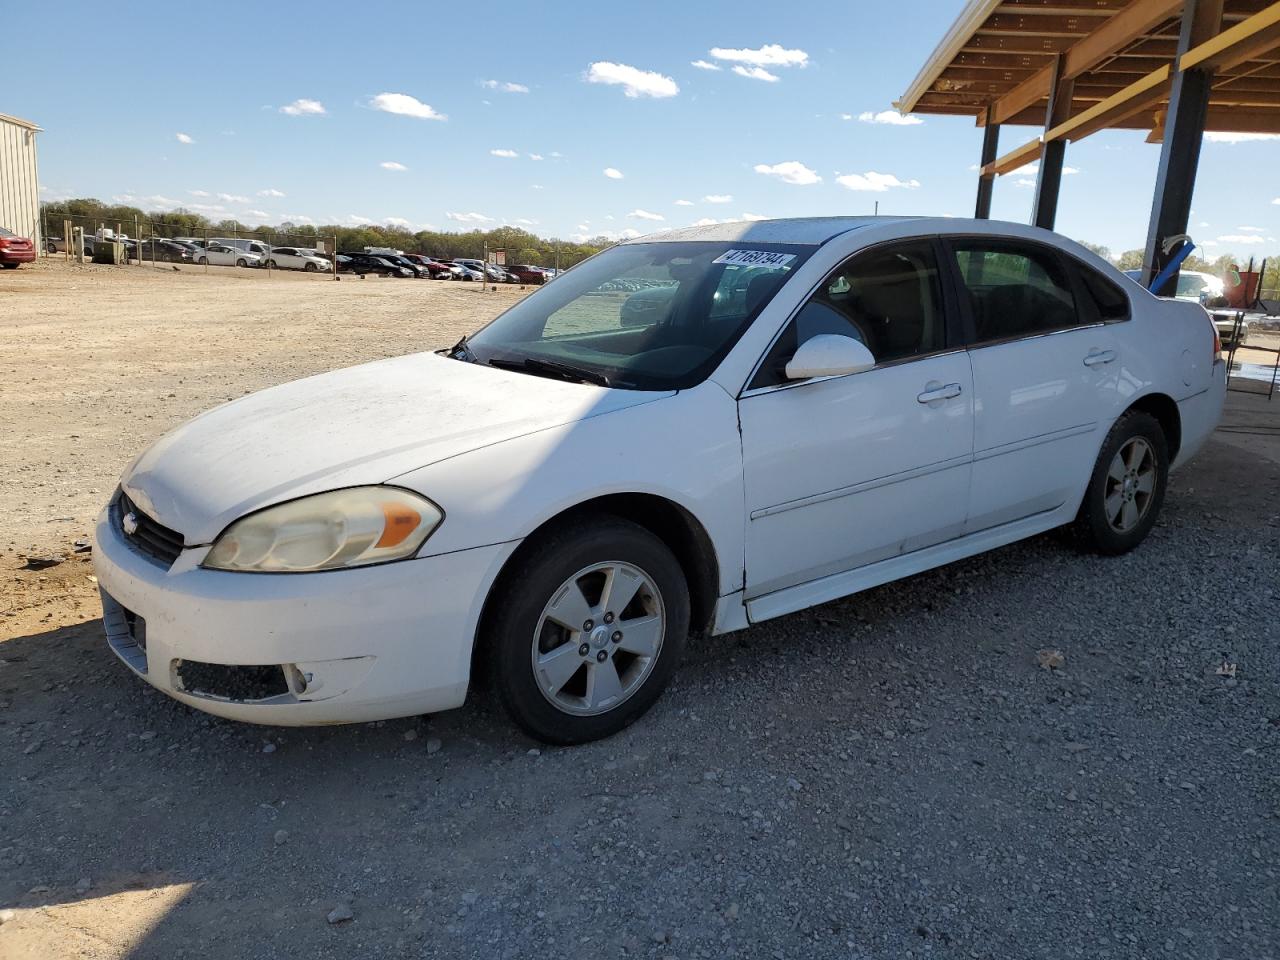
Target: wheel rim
1131	484
598	638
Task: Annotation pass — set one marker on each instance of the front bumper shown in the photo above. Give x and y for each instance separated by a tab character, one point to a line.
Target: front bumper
369	643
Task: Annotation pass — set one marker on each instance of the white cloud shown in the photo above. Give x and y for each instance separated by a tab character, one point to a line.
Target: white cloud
718	198
634	82
645	215
1024	182
198	193
526	222
1242	238
1215	137
396	222
535	156
753	216
405	106
358	220
613	173
468	217
536	186
270	192
704	65
689	203
628	234
232	198
505	87
296	218
583	227
875	182
755	73
260	214
706	222
891	117
183	138
849	116
303	107
502	152
393	165
1031	169
206	207
1251	229
789	171
770	55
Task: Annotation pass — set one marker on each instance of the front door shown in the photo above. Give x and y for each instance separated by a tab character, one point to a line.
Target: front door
841	472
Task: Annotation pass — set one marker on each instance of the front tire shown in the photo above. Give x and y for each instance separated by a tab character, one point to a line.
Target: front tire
584	633
310	267
203	261
1127	487
242	262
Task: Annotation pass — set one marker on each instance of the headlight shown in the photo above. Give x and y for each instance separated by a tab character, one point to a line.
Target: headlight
328	531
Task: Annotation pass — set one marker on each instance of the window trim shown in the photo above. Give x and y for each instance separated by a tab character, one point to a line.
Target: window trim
953	333
1070	264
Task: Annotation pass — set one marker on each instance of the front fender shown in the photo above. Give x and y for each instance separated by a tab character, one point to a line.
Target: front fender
684	447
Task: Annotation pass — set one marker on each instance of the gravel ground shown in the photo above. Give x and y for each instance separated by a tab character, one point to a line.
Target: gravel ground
891	775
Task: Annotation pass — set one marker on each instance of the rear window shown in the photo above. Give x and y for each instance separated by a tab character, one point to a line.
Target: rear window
6	233
1108	301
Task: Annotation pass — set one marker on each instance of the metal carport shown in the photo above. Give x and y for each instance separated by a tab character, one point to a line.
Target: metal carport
1177	68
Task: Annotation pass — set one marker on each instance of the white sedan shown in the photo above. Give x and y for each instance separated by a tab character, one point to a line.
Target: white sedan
220	255
295	258
815	407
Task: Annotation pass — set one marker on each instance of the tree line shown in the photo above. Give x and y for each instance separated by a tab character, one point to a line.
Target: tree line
521	246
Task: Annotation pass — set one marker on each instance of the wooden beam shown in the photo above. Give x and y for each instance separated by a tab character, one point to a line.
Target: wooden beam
1014	159
1235	45
1133	22
979	43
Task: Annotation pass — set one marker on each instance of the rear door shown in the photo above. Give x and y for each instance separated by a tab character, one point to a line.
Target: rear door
1045	376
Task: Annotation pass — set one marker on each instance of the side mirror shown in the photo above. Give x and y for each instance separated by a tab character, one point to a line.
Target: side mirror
829	355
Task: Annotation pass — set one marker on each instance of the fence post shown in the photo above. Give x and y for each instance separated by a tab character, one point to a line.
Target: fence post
335	257
66	239
137	238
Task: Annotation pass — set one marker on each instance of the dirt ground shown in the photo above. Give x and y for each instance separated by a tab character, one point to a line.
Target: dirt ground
891	775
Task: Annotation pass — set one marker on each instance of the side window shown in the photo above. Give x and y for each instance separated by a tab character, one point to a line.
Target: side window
1015	290
889	299
1108	301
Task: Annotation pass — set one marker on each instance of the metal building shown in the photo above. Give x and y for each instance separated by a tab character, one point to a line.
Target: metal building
19	184
1072	67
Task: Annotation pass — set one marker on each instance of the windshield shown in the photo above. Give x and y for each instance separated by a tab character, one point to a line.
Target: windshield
647	316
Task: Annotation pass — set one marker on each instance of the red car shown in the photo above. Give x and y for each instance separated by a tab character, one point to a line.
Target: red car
439	271
15	249
527	273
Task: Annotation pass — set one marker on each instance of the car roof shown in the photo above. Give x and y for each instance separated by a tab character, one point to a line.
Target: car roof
812	231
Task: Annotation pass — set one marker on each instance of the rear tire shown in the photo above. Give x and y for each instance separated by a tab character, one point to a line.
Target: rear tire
241	262
573	682
203	261
9	266
1127	487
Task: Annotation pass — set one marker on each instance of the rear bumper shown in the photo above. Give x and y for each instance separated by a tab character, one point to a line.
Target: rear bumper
17	256
1200	414
342	646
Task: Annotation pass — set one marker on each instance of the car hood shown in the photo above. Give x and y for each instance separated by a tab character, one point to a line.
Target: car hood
362	425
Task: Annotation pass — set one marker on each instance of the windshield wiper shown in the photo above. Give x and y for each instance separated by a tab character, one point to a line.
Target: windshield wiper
563	370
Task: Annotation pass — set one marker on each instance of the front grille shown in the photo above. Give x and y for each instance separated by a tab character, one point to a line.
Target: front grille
152	537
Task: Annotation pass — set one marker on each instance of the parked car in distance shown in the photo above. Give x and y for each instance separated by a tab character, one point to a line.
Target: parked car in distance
437	270
15	250
415	269
467	272
220	255
492	271
295	258
365	263
257	247
843	402
528	273
165	251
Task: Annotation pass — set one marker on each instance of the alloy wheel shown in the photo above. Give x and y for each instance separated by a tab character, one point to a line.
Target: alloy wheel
598	638
1130	485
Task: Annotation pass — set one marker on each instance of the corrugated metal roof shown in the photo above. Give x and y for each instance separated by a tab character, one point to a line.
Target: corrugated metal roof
811	231
18	121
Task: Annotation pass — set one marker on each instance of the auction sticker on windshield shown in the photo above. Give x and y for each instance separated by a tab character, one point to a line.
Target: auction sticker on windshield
755	258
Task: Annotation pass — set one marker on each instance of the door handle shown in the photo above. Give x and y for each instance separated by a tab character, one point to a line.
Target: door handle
934	390
1097	358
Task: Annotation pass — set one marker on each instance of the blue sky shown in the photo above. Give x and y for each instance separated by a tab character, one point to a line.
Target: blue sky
296	111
